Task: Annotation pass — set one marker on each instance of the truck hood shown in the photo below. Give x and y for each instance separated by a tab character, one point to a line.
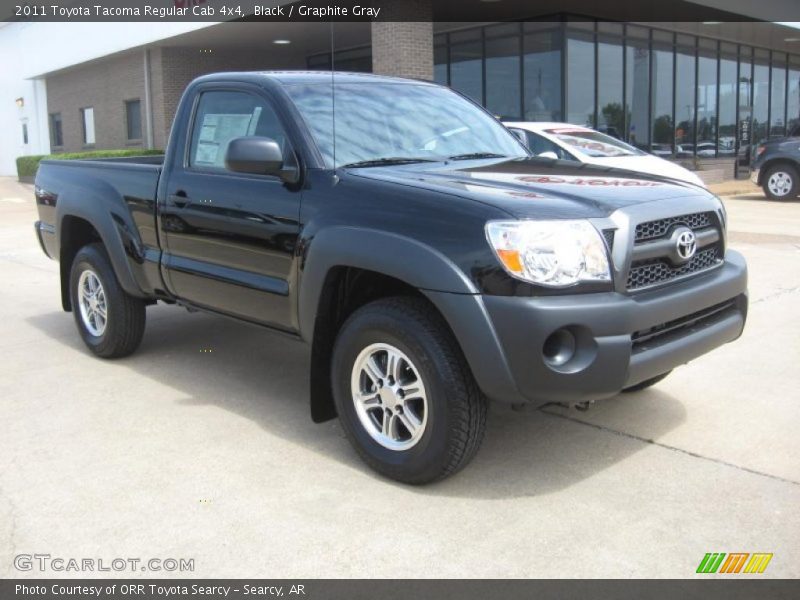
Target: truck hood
537	187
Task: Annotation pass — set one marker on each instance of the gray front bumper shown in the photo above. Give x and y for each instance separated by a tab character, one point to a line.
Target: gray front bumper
608	359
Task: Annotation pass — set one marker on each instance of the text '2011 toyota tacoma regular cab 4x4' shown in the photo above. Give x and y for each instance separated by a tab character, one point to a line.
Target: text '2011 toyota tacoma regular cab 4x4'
405	234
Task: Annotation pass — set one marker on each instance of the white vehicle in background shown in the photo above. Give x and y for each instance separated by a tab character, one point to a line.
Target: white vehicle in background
574	142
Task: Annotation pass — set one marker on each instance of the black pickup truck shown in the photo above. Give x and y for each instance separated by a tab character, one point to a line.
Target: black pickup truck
404	233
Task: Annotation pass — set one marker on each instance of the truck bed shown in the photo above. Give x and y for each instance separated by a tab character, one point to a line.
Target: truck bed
96	190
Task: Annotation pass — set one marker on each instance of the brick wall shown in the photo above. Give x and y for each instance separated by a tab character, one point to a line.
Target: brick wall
404	48
103	85
107	83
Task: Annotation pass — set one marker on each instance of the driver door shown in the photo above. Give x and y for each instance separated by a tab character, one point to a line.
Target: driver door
230	237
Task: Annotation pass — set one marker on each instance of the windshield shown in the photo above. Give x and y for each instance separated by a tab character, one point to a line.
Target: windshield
398	121
594	143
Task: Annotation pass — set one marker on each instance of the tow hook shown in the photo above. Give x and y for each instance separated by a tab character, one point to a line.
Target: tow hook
584	406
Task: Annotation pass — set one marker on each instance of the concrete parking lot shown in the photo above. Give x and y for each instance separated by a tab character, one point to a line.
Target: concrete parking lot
200	446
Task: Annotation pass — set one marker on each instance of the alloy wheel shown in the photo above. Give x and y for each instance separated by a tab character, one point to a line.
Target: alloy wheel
389	396
92	300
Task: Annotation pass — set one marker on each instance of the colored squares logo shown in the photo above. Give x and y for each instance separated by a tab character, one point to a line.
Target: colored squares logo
735	562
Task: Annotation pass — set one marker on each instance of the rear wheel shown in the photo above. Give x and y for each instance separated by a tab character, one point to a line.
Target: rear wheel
646	384
404	393
781	182
110	321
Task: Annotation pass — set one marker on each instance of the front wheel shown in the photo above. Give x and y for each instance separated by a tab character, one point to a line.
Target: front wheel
781	182
110	321
404	393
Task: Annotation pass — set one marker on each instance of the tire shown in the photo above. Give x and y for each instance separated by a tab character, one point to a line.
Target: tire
448	424
781	182
120	333
646	384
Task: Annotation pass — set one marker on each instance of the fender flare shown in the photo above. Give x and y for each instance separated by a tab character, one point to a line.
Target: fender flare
390	254
447	287
104	210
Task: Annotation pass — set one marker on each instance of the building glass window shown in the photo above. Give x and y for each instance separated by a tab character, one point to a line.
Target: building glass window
610	113
580	78
684	98
358	60
760	96
542	73
777	125
726	144
669	93
707	104
87	123
663	129
466	64
440	59
133	119
56	134
637	92
503	85
793	96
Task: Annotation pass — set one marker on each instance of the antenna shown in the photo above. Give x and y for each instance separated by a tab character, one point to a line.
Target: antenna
333	95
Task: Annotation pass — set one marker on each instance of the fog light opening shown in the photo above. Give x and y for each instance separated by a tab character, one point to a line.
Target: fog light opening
559	347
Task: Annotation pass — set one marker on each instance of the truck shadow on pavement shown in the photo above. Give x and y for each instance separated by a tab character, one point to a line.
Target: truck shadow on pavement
264	377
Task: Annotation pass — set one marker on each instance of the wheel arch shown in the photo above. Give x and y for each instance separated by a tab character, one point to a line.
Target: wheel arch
339	276
774	162
91	219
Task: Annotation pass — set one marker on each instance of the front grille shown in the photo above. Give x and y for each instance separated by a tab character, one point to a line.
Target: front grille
654	259
651	272
655	229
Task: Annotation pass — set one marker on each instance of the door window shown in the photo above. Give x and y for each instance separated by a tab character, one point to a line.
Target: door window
224	116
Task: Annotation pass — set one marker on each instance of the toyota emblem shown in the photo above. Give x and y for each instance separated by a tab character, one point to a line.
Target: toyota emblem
686	244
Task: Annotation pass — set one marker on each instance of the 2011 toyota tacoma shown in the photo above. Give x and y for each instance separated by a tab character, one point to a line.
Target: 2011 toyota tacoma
404	233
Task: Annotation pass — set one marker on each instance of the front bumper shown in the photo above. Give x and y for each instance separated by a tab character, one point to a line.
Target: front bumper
619	340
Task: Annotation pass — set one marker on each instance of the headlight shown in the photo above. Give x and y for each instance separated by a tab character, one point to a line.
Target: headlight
551	253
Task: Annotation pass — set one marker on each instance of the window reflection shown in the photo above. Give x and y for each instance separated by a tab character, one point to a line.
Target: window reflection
706	105
503	86
760	96
610	114
466	69
663	129
580	79
637	64
684	102
777	126
542	67
726	146
793	99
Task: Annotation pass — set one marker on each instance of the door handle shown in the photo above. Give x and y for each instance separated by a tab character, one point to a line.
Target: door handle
180	199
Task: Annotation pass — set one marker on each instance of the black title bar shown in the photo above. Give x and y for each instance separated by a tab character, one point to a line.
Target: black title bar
387	10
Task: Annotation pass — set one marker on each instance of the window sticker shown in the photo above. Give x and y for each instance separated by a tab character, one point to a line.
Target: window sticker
206	153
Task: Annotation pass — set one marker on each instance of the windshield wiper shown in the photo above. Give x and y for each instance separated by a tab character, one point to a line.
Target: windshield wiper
476	155
392	160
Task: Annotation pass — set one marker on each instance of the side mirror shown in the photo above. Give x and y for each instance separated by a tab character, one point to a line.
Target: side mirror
548	154
257	155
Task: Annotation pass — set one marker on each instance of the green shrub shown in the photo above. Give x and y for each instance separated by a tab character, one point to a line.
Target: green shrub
27	165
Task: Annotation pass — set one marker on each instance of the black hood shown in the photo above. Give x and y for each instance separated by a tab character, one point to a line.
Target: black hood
538	187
